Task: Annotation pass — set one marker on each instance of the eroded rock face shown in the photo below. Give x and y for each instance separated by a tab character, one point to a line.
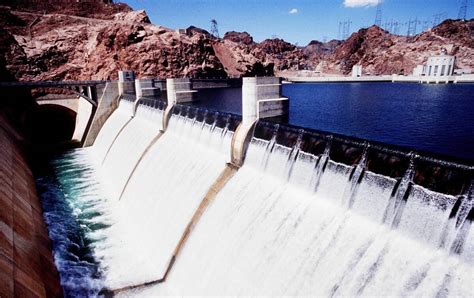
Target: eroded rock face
96	42
380	52
239	37
60	47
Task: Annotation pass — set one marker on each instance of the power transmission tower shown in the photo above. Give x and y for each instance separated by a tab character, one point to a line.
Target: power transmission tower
463	10
388	26
346	29
426	25
412	27
396	27
214	30
378	16
339	32
438	18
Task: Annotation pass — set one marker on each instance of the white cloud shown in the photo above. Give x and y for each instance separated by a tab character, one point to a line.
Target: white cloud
361	3
293	11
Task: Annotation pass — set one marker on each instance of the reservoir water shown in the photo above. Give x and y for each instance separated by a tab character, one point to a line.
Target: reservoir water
434	118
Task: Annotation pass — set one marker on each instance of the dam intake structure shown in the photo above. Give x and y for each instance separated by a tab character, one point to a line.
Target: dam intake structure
167	205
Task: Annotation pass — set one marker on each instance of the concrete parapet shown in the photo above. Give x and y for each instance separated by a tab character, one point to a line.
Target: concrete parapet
179	91
146	88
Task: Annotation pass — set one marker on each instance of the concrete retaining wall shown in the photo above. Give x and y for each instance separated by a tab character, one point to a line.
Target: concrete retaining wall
340	79
26	263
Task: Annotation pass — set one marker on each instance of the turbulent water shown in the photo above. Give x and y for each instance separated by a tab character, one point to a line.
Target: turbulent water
269	233
287	223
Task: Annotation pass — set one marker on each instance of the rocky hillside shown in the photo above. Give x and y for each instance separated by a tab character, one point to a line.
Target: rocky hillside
380	52
72	40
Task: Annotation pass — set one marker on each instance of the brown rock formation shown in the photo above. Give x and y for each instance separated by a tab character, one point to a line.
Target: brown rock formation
239	37
61	47
380	52
76	41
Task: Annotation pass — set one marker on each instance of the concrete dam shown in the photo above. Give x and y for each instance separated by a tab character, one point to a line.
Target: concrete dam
169	199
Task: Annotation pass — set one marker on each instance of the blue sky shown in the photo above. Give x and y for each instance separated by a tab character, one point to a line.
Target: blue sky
297	21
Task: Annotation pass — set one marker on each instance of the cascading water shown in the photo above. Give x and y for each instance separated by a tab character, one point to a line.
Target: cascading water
270	234
79	206
292	221
161	198
107	135
128	147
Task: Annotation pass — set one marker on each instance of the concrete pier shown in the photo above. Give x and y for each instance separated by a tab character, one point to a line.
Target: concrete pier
126	82
177	91
107	104
261	98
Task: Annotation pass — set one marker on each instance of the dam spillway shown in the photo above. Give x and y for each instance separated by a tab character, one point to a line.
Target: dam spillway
306	214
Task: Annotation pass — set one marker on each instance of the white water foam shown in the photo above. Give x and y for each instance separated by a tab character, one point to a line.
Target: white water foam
128	147
263	235
109	131
161	198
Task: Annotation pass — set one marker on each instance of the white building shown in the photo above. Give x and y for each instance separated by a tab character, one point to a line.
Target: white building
419	70
439	66
357	71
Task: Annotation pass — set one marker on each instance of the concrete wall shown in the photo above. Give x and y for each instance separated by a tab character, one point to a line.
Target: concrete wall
79	105
107	103
26	263
180	91
146	88
340	79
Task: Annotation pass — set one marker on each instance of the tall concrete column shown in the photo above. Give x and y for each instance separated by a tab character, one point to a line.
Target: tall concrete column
261	98
126	84
249	100
171	91
177	91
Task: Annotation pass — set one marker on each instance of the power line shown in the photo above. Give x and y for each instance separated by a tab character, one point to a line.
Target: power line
438	18
346	28
378	15
396	27
463	10
412	27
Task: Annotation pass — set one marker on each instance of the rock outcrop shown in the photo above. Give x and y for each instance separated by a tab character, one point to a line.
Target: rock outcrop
72	41
380	52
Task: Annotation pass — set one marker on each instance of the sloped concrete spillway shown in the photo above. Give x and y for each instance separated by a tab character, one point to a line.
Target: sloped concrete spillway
307	213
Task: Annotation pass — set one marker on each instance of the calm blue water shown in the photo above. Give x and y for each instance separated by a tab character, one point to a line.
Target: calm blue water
434	118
